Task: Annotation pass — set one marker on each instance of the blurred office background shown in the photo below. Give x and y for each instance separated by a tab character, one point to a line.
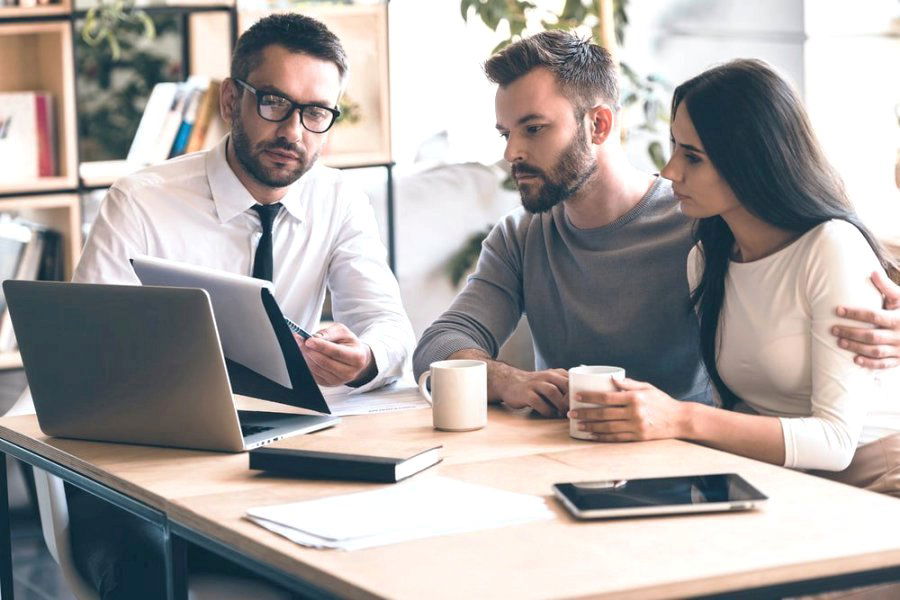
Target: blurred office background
433	116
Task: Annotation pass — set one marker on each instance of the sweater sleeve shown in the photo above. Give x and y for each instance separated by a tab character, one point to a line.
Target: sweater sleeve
486	312
837	273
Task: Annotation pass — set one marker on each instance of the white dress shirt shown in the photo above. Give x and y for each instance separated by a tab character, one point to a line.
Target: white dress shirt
777	353
194	209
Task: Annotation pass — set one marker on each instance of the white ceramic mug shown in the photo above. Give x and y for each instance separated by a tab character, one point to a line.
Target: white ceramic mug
589	379
458	395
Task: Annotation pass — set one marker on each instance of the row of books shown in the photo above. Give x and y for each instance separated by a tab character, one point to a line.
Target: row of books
179	118
27	136
27	3
27	251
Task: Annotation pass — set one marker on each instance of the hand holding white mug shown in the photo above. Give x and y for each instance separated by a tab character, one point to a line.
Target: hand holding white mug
589	379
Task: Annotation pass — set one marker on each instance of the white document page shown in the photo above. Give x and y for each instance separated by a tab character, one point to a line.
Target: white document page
421	507
400	395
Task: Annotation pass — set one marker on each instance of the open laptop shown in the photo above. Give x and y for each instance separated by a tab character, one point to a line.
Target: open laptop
135	364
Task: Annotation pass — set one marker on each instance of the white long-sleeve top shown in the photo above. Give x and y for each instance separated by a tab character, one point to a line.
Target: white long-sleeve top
194	209
777	353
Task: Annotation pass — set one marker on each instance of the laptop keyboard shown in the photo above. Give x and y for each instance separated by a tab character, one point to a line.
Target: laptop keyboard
253	429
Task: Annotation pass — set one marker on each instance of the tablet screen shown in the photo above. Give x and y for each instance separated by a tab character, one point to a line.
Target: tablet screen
661	491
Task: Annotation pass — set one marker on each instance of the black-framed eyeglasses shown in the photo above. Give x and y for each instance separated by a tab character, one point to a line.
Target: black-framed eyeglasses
275	108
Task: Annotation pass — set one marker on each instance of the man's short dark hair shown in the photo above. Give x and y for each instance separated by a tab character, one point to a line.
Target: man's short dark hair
298	33
584	71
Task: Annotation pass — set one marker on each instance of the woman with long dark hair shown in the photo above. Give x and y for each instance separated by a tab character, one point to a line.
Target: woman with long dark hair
779	247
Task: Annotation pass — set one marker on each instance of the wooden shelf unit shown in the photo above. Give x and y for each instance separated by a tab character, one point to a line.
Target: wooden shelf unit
61	212
36	46
37	53
37	56
44	10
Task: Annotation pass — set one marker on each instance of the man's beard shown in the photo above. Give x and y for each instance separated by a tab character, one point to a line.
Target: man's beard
249	157
574	168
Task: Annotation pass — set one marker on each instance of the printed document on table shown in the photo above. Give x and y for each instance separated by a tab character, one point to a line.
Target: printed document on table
422	507
400	395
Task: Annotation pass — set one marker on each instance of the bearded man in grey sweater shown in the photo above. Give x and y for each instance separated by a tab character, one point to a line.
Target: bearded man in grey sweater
596	257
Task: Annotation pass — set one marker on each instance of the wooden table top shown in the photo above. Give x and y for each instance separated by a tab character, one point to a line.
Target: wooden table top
809	528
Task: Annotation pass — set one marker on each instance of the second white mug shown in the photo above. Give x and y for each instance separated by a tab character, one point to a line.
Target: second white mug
589	379
458	394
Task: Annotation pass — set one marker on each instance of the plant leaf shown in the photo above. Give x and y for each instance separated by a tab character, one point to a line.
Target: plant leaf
501	46
464	9
114	47
655	150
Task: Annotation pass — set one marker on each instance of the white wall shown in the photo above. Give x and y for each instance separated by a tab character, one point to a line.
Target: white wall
437	84
843	56
852	65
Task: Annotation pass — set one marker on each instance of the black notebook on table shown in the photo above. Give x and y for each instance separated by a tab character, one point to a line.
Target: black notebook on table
390	466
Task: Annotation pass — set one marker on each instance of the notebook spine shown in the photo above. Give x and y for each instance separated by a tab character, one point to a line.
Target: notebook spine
311	466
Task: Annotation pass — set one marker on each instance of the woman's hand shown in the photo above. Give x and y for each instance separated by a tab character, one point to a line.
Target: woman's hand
638	411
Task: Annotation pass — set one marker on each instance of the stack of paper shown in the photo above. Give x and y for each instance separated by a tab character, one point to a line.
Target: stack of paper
418	508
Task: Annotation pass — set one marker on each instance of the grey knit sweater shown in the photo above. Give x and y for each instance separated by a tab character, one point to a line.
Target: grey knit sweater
614	295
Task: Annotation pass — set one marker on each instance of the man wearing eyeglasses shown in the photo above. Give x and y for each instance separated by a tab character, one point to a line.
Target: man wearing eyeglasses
256	204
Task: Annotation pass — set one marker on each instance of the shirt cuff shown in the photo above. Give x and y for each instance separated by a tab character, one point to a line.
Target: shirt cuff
385	372
790	450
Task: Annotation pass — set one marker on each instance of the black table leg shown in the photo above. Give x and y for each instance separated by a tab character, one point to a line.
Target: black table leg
176	567
6	576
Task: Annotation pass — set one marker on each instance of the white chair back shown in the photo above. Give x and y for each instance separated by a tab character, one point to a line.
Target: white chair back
54	511
51	496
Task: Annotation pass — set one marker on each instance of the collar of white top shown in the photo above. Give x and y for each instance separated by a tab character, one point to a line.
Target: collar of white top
230	195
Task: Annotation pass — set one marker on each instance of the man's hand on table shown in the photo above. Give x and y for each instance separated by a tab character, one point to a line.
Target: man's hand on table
544	391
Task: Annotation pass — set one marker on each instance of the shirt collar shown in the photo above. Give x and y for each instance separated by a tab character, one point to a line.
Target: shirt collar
232	198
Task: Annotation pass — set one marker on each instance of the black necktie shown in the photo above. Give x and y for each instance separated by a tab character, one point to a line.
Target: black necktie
262	262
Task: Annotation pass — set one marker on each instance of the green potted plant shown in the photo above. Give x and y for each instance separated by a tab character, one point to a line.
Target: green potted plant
105	19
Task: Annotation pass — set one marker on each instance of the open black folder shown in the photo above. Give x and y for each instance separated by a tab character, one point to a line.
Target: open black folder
261	354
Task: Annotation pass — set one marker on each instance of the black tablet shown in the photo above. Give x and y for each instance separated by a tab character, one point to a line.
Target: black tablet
658	496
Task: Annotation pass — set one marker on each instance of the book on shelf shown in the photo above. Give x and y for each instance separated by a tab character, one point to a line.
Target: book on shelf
27	3
27	136
27	251
14	238
46	136
144	142
170	125
207	115
178	119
